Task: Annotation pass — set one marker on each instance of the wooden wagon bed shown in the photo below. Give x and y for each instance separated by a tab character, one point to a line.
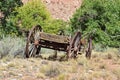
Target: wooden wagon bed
54	38
52	41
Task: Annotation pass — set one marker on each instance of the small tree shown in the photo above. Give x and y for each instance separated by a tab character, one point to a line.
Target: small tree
101	16
7	7
31	14
34	13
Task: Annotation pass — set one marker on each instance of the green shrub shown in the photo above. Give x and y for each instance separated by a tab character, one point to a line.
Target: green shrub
34	13
101	16
54	26
6	8
31	14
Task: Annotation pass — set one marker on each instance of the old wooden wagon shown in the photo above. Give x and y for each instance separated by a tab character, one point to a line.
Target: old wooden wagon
38	39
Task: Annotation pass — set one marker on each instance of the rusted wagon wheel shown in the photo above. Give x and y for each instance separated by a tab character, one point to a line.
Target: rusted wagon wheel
74	46
32	44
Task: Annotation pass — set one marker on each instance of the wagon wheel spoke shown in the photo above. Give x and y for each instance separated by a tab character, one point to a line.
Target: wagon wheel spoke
32	50
89	49
74	46
32	42
72	54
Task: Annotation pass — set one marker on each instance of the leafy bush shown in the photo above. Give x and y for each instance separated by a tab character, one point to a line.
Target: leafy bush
30	14
6	8
34	13
101	16
54	26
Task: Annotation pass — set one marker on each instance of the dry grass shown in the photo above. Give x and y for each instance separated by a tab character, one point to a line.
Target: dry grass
102	66
116	72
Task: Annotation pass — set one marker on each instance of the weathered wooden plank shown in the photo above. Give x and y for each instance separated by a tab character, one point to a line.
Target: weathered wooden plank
54	38
53	45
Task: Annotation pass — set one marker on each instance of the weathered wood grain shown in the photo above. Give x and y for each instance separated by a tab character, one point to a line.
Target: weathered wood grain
54	38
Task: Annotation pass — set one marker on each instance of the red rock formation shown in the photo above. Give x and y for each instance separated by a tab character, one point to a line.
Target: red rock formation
61	9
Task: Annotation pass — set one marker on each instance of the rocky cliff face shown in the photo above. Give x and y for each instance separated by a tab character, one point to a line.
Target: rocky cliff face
61	9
